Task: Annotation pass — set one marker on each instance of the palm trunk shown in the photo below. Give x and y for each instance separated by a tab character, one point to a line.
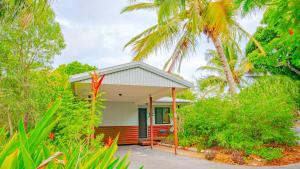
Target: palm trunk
227	71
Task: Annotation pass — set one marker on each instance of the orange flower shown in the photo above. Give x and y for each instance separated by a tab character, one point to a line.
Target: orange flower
109	142
51	136
96	82
291	31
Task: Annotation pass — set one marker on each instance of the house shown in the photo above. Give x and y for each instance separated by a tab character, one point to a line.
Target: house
129	92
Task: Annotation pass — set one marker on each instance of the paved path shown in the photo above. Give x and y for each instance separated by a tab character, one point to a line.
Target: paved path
157	159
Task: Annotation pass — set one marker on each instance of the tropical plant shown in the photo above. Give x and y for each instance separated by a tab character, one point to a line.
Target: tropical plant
75	113
216	80
96	83
259	115
34	150
182	22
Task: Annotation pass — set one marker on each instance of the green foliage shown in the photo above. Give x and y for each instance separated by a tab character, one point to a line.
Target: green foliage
30	38
33	150
258	115
268	153
216	82
282	51
190	141
187	95
280	38
75	68
75	113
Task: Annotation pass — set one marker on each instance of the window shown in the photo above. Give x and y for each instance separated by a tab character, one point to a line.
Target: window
162	115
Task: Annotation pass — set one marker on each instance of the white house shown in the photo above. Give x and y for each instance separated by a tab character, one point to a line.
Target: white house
129	90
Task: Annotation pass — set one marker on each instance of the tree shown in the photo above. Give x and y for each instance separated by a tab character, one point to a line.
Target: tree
187	95
182	23
280	36
216	80
75	68
28	43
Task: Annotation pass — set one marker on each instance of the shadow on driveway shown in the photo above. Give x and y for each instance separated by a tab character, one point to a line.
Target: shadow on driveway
157	159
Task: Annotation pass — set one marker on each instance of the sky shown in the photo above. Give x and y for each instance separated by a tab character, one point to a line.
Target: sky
95	33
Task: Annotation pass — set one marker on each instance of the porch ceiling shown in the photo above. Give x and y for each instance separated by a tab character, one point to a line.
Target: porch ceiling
124	93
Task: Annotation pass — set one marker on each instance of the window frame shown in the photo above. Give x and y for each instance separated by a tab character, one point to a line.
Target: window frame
163	108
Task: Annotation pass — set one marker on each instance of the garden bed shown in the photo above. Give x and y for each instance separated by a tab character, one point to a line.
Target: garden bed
218	154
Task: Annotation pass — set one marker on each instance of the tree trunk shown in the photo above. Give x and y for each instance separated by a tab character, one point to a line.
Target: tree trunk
293	69
11	129
227	71
26	117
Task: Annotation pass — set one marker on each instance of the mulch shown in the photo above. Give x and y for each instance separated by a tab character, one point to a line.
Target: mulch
290	155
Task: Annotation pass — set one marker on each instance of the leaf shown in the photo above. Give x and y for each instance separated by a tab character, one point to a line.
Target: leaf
22	136
95	158
109	154
27	160
43	128
73	158
112	164
9	160
10	147
122	163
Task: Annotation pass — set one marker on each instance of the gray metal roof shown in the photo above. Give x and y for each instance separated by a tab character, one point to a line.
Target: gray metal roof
132	65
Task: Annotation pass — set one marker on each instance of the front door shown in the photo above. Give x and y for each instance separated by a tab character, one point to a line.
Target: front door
142	123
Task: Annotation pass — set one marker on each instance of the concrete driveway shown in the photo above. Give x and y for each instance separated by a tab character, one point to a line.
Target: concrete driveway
157	159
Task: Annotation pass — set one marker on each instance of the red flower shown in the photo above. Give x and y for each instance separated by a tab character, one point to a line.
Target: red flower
109	142
51	136
96	82
291	31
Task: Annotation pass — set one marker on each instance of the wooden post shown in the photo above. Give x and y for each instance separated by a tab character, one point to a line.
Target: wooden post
151	125
174	119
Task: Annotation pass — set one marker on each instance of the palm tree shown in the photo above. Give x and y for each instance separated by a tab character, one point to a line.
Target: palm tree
216	81
181	23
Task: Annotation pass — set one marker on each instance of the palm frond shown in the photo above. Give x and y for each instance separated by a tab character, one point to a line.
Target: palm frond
241	29
218	17
182	48
163	36
213	81
140	6
211	69
144	33
167	9
212	58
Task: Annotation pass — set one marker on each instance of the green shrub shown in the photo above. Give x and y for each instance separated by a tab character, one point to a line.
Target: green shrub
268	153
258	115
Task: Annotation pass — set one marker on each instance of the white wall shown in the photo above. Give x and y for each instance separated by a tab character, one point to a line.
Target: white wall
126	114
120	114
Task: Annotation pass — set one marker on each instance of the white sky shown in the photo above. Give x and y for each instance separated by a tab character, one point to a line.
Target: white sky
95	33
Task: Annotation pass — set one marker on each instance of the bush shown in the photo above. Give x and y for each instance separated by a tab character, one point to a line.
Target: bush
261	114
35	150
268	153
